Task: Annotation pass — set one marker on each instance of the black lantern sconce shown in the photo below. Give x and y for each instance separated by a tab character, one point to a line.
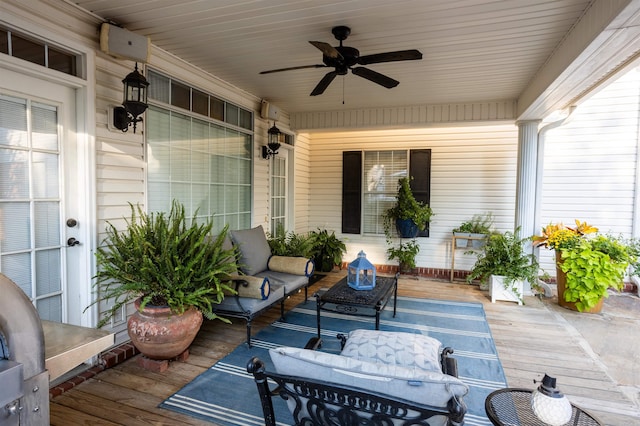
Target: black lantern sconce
134	102
273	143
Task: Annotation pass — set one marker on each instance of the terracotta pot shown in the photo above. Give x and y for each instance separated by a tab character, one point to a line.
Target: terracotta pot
561	280
159	334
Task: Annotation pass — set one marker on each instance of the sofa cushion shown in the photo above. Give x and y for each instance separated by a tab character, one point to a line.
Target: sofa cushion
290	282
409	383
254	249
390	347
248	306
291	265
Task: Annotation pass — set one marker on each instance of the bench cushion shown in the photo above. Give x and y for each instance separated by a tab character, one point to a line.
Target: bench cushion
248	306
254	249
290	282
390	347
409	383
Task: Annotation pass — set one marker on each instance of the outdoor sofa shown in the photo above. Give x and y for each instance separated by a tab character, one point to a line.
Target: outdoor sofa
265	280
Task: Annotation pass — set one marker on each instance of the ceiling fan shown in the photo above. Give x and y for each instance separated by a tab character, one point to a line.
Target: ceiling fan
344	58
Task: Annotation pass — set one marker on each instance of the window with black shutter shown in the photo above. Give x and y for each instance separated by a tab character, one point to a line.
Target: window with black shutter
370	181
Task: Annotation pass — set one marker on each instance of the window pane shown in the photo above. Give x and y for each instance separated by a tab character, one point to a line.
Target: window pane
4	41
61	61
50	309
45	127
382	170
180	95
217	108
14	174
13	122
14	226
48	272
27	49
159	87
46	224
200	102
232	116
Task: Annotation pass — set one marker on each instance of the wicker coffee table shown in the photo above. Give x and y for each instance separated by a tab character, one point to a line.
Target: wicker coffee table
346	300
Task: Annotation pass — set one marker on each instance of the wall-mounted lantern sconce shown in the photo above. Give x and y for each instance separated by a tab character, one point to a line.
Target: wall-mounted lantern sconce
273	145
134	102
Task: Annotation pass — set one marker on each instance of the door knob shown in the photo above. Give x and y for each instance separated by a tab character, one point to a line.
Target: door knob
71	222
72	242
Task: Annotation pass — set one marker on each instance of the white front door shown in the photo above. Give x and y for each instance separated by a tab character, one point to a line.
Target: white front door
42	233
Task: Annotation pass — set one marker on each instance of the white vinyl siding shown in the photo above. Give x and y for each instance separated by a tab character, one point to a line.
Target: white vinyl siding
590	164
473	170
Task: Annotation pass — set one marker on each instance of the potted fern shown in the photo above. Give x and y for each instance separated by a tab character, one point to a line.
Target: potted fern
475	229
171	269
409	215
503	262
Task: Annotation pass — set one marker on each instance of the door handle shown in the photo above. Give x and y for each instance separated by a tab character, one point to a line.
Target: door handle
72	242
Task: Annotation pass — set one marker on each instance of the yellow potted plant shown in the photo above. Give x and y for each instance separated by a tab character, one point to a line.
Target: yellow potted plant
587	263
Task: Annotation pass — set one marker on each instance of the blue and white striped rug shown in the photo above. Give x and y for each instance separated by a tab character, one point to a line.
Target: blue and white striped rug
226	394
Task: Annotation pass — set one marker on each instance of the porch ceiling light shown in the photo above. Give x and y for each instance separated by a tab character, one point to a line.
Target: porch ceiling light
134	101
273	144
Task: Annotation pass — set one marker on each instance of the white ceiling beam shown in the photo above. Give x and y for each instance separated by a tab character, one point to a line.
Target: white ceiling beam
601	43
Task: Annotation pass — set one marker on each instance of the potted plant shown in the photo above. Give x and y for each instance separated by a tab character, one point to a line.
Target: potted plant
409	215
503	261
587	263
174	272
406	254
290	243
478	227
327	250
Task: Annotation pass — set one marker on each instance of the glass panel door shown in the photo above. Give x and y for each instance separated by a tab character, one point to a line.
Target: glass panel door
36	135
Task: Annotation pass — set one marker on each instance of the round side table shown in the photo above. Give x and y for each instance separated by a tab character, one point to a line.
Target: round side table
512	407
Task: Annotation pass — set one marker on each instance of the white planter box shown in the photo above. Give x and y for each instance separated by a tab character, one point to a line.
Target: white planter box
498	292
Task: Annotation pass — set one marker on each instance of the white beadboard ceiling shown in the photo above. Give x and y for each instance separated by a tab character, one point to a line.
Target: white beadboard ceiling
473	50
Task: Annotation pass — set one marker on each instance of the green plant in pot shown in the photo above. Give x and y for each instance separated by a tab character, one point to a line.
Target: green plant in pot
407	211
290	243
327	250
406	254
172	269
478	227
588	263
503	255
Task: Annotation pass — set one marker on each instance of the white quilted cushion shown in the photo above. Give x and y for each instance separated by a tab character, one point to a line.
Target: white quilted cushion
409	383
390	347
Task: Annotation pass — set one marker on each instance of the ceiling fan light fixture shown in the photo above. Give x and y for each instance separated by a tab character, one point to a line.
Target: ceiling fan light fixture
344	58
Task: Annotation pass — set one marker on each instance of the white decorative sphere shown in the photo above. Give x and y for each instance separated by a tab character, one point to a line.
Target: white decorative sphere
552	411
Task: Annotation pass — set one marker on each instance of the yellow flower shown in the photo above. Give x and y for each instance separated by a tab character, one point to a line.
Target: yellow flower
558	236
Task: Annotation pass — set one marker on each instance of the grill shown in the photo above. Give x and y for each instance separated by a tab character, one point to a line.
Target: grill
24	393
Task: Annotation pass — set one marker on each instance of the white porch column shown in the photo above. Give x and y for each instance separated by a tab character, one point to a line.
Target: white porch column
526	181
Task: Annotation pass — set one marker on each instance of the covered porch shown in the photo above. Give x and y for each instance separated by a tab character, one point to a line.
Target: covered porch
594	358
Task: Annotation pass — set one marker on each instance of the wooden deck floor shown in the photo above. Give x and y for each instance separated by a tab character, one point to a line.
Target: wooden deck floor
531	340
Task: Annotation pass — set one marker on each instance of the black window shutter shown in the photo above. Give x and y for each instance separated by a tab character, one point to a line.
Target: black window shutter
420	171
351	191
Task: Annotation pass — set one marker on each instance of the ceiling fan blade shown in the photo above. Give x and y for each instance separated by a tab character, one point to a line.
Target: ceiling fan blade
400	55
327	49
324	83
376	77
294	68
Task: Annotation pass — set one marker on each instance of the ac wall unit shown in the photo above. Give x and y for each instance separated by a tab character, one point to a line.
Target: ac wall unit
124	44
